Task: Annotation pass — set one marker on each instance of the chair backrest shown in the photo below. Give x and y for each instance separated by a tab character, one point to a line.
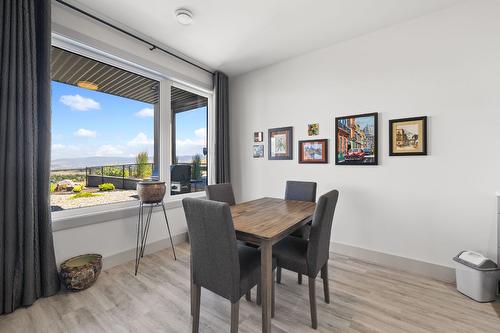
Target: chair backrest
301	191
180	173
221	192
214	252
321	229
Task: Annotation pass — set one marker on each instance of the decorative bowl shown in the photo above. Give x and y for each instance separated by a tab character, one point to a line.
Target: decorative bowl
81	272
151	191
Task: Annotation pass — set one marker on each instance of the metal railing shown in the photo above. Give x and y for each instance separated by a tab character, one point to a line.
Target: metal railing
122	175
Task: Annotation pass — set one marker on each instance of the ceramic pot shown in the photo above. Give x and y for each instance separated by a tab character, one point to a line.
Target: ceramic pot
81	272
151	192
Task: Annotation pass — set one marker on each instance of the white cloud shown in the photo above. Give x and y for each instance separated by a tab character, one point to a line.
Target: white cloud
79	103
144	113
189	147
141	139
58	146
201	133
106	150
85	133
60	150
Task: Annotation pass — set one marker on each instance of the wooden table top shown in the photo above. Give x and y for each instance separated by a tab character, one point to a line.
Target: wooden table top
270	218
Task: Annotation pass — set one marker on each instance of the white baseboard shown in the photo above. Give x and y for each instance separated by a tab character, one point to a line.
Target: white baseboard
433	271
125	256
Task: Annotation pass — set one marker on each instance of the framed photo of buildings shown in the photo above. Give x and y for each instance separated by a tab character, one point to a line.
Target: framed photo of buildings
356	139
313	151
280	143
408	136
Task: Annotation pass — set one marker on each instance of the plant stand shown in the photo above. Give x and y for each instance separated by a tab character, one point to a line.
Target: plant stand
143	230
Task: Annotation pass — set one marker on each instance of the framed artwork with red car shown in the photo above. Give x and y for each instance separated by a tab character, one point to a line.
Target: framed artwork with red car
356	139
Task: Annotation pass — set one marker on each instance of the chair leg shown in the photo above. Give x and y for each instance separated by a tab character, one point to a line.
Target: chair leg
191	285
278	275
273	297
299	278
326	289
196	307
312	302
248	296
258	300
235	314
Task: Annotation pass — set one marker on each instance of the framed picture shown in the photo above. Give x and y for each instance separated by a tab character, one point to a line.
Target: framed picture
356	139
313	151
408	136
258	151
258	136
280	143
313	129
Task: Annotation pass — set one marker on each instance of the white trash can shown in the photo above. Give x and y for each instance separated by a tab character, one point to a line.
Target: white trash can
477	276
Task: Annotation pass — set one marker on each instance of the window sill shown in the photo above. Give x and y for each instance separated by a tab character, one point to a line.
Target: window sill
79	217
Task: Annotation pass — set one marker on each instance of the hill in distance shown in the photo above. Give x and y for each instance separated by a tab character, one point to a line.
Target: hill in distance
82	162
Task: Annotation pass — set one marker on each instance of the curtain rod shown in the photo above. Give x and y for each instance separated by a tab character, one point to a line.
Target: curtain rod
152	46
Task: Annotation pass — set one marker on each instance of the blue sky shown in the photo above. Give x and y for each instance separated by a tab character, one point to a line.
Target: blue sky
90	123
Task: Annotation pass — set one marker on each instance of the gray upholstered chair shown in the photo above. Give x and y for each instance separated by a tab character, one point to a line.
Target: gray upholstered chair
221	192
218	263
301	191
310	256
224	193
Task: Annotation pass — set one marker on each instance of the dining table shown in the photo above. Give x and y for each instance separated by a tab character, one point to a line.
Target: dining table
264	222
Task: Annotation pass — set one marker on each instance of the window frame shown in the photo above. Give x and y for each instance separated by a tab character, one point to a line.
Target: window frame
209	137
76	217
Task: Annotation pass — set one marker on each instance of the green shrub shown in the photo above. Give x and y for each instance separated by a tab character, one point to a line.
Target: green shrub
52	187
56	177
106	187
196	167
84	195
143	169
78	188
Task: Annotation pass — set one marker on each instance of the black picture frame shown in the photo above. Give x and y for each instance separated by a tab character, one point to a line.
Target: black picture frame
288	132
345	139
323	160
423	151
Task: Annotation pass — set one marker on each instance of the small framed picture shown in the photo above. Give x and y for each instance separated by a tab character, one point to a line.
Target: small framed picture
258	151
280	143
313	151
356	139
313	129
258	136
408	136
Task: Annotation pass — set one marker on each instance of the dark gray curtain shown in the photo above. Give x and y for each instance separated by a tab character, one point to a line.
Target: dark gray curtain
222	128
27	264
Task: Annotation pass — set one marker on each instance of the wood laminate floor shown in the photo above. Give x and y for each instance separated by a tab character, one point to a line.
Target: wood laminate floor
364	298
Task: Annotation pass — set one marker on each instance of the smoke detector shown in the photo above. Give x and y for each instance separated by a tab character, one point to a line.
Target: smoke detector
184	16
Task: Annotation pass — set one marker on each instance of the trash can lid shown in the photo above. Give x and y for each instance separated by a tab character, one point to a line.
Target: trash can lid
475	260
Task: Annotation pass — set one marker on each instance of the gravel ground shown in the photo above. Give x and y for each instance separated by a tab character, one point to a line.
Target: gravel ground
62	201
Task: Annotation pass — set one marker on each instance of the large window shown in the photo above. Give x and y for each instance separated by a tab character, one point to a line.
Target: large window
189	167
103	132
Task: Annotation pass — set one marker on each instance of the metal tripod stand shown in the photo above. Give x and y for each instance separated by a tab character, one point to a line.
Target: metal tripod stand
143	230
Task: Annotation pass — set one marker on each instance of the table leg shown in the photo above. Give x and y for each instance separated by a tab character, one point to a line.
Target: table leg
266	257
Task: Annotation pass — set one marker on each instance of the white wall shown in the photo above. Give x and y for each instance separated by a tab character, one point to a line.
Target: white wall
116	236
445	65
